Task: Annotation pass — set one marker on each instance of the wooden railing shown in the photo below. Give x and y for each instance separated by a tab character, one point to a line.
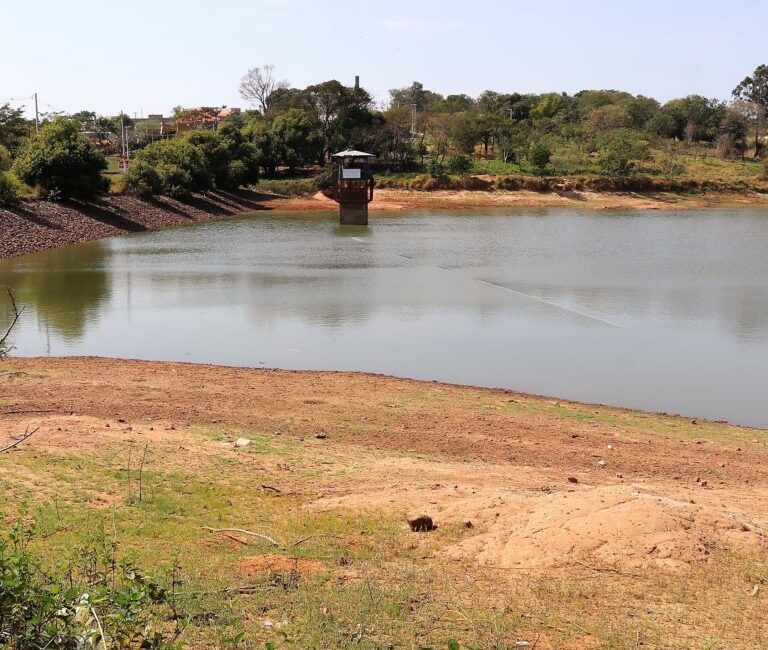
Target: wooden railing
353	190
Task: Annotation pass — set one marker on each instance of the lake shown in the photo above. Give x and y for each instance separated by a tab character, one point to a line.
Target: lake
662	310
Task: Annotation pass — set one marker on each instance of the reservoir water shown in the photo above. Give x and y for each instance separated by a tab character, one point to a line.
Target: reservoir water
664	311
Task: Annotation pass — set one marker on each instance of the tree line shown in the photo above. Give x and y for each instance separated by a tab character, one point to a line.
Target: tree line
606	132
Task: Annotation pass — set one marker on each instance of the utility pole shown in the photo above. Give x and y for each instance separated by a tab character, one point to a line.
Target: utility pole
37	116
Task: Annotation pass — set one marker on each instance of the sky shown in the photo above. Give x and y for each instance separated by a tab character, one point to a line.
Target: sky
147	56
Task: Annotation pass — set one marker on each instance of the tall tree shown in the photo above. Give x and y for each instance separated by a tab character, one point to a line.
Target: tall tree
755	90
339	110
13	126
258	84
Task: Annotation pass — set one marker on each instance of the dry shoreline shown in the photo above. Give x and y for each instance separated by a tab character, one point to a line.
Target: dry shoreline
549	512
41	225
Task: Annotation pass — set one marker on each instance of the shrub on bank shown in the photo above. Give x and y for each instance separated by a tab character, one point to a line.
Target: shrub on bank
61	162
43	609
174	168
231	159
5	159
9	190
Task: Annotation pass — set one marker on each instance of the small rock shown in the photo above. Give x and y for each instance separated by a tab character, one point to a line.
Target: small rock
242	442
321	436
602	463
468	524
573	479
703	484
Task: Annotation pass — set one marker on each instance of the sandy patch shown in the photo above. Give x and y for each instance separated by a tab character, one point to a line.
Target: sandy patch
274	563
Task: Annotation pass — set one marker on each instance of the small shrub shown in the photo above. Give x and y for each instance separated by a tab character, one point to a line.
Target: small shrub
5	159
435	168
508	183
9	190
459	163
539	156
475	184
536	184
93	599
324	180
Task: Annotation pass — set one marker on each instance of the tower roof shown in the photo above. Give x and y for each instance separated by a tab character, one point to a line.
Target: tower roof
351	153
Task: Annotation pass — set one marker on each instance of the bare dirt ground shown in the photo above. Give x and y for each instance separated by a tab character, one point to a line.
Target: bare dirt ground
657	521
396	200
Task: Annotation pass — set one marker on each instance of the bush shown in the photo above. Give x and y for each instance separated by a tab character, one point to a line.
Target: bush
62	162
231	159
508	183
539	156
9	190
619	153
174	168
5	159
94	598
324	180
459	163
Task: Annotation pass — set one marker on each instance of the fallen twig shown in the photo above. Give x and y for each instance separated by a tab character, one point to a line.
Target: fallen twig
32	411
27	434
606	569
272	488
244	532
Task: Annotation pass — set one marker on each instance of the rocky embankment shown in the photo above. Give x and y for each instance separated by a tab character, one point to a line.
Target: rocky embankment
40	225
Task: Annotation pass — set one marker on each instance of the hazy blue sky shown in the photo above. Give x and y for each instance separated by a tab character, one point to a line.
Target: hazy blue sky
146	54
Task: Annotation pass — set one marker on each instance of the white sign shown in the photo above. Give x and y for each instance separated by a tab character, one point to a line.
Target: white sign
350	173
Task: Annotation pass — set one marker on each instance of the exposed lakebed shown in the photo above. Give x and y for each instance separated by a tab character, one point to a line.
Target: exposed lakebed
666	311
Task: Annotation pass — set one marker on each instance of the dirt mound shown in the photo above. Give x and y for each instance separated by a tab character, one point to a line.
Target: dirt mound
611	525
273	563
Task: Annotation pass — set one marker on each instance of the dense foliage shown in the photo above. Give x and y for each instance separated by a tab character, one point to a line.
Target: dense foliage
9	190
593	133
174	168
61	162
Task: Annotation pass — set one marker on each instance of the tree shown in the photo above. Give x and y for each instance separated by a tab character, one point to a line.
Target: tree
338	110
62	162
539	156
464	131
755	90
258	84
259	133
732	141
695	118
13	126
297	138
232	160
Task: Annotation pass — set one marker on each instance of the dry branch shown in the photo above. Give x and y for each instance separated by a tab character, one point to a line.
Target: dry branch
244	532
606	569
17	312
27	435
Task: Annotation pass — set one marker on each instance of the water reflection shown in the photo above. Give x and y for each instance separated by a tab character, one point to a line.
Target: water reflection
666	311
66	288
